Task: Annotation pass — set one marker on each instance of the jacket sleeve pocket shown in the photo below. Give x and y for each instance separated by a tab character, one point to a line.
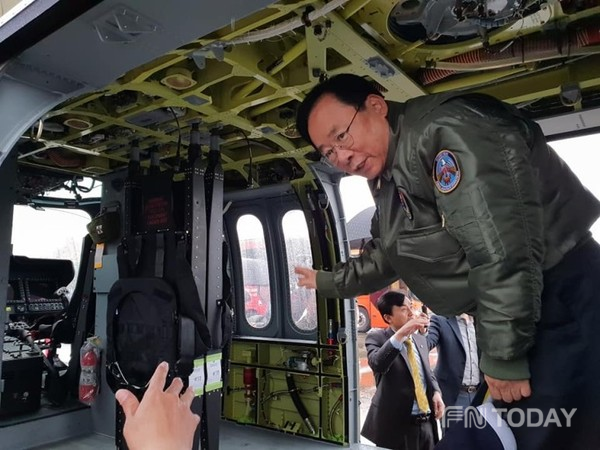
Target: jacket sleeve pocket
471	224
431	244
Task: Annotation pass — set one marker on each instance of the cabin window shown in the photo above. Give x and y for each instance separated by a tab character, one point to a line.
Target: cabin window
50	233
255	271
303	302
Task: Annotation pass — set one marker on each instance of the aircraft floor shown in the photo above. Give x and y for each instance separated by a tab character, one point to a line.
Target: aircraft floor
232	437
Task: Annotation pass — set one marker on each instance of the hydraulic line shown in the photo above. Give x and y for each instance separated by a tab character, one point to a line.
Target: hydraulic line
293	390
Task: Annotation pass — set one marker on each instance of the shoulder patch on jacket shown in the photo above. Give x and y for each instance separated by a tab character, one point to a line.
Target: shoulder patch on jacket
446	173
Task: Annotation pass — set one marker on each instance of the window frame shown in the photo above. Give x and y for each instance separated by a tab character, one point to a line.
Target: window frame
270	212
288	282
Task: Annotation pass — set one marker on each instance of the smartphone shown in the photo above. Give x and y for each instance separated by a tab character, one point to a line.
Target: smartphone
424	311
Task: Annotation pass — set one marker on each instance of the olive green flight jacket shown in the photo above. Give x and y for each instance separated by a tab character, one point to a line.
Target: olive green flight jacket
481	248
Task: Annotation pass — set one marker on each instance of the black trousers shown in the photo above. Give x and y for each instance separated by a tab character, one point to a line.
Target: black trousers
564	365
565	360
419	437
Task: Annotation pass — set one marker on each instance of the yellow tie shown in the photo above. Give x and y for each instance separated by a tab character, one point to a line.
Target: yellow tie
420	394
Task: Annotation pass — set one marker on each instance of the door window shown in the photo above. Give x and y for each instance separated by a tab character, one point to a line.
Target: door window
303	302
255	271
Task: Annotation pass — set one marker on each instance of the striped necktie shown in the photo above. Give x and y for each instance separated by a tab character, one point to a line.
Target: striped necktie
420	394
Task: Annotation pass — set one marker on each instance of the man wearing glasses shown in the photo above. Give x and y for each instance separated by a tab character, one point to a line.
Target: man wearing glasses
477	214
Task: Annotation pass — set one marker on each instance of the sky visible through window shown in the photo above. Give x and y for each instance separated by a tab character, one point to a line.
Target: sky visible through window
51	233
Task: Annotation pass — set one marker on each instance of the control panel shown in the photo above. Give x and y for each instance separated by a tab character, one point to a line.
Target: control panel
36	286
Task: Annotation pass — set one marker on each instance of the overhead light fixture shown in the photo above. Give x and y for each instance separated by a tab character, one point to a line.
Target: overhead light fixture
179	79
77	123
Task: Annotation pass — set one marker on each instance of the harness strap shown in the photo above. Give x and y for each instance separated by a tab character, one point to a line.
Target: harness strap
81	327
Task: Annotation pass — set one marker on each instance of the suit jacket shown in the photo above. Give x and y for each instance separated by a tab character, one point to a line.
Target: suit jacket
390	412
444	334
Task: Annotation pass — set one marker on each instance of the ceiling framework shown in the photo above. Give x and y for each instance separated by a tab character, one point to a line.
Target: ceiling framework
244	82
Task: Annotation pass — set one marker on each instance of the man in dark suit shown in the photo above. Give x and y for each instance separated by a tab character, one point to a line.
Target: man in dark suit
457	372
457	369
408	399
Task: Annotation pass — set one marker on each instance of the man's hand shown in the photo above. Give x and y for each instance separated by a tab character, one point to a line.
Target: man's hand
413	325
438	405
163	419
508	390
307	277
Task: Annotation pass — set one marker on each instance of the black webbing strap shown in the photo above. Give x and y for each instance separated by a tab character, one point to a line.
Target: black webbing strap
147	264
187	293
120	442
196	225
194	338
186	345
132	200
128	256
226	315
196	222
81	327
320	224
122	260
213	185
159	255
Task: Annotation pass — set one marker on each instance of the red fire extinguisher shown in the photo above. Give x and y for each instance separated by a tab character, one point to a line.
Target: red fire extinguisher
89	356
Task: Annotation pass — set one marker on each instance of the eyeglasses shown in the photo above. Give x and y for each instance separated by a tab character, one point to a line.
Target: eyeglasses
344	139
